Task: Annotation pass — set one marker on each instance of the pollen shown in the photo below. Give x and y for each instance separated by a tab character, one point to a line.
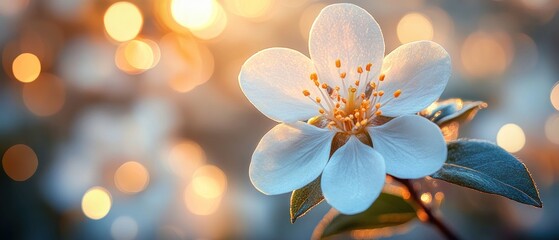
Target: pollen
381	77
325	86
377	106
318	99
357	83
368	67
378	112
373	85
397	93
306	93
343	75
314	76
338	63
321	111
380	93
359	70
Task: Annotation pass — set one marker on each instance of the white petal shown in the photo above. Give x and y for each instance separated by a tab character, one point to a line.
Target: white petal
289	157
412	146
273	81
349	33
354	177
421	70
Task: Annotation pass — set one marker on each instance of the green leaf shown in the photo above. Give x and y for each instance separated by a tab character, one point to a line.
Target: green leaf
450	110
387	211
304	199
484	166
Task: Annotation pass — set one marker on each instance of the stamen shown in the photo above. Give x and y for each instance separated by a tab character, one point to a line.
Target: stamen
380	93
373	85
338	63
381	77
359	69
306	93
378	113
342	75
368	67
397	93
357	83
318	99
314	77
325	86
377	106
321	111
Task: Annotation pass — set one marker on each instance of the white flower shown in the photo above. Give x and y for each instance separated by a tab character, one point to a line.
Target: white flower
353	91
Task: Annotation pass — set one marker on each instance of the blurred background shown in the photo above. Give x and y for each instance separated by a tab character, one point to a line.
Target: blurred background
124	119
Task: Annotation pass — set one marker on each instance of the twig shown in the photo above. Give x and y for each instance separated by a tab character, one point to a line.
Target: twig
443	228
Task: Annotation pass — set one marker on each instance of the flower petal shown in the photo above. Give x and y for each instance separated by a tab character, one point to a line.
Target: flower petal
273	81
353	178
349	33
412	146
289	157
421	70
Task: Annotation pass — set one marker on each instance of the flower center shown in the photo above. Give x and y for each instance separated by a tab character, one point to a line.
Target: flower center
353	106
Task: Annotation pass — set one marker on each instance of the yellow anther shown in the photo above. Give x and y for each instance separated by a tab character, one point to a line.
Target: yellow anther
353	90
337	105
368	67
325	86
397	93
364	122
321	111
373	85
363	97
337	88
357	114
380	93
342	75
357	83
351	116
357	125
318	99
306	93
338	63
316	83
359	69
378	113
344	100
381	77
377	106
375	93
314	77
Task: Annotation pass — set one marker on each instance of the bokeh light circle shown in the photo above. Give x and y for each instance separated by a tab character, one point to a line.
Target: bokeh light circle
552	128
413	27
44	96
554	96
193	14
26	67
123	21
511	137
96	203
20	162
209	181
131	177
124	228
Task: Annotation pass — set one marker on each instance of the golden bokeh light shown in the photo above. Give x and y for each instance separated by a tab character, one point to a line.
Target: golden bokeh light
96	203
185	157
131	177
249	8
137	56
511	137
123	21
44	96
209	181
552	128
485	55
20	162
194	14
554	96
26	67
198	204
426	198
217	26
413	27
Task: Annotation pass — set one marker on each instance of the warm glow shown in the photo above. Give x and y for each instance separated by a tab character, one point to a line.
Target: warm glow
185	157
209	181
216	27
123	21
139	55
414	27
426	198
485	55
20	162
131	177
26	67
193	14
45	96
552	129
511	138
96	203
554	96
250	8
198	204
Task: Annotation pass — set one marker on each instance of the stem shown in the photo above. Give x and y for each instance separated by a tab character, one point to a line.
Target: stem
437	222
